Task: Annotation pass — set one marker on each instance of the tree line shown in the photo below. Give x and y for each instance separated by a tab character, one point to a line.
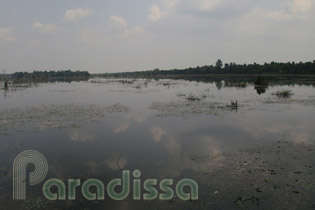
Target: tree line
304	68
42	75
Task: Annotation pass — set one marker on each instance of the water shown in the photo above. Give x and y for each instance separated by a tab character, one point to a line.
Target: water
258	155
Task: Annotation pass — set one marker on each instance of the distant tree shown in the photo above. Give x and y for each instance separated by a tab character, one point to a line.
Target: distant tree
219	64
232	64
5	79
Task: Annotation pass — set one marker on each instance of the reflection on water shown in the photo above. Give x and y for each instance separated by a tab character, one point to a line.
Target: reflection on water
259	157
260	89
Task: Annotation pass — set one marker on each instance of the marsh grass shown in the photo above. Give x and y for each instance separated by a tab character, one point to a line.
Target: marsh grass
181	94
193	98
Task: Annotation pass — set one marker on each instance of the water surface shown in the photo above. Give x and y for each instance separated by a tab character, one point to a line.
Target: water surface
258	155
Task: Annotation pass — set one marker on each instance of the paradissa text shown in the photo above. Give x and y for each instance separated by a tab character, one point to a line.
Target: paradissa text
185	189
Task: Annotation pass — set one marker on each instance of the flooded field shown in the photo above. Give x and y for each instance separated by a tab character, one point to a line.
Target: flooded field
247	146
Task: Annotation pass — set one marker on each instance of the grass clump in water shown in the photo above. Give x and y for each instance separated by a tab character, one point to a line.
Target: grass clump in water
283	94
193	98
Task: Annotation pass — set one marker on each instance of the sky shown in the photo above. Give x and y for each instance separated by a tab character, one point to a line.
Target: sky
119	36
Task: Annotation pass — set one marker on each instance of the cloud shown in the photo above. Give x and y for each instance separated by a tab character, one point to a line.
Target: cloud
155	14
93	36
300	6
209	9
292	17
5	34
76	14
279	15
224	9
171	3
251	24
299	9
134	30
44	28
118	21
206	4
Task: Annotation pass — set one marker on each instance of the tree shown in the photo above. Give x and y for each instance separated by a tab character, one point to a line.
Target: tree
5	79
219	64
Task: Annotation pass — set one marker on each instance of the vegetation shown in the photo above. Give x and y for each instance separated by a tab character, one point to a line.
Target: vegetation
261	81
261	84
307	68
44	75
283	94
192	98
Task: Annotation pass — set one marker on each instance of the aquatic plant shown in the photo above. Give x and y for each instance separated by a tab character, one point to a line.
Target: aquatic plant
180	108
234	104
55	116
181	94
137	86
193	98
283	94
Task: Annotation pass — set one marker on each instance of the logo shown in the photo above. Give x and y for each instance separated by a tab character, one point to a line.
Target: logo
185	189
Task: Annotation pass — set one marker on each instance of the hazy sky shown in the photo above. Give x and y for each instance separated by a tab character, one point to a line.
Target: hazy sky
117	35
